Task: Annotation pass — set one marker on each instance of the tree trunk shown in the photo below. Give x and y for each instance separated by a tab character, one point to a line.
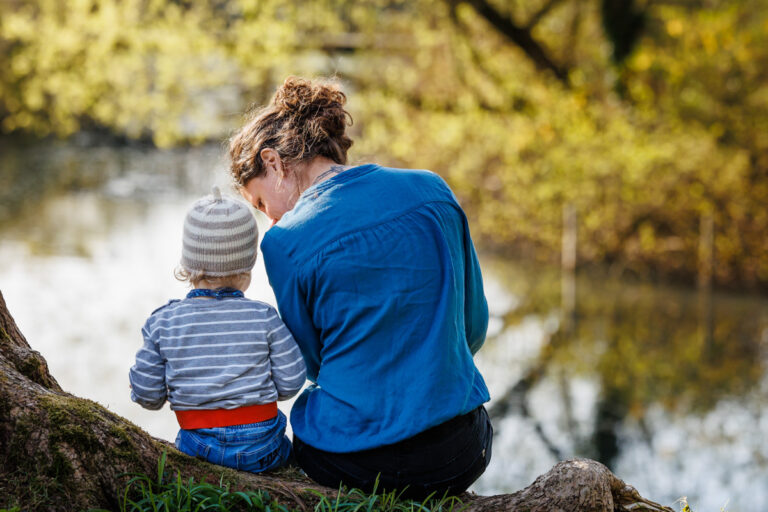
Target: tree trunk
61	452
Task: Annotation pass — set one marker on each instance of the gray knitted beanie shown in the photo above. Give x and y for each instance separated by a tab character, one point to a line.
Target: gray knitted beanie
220	236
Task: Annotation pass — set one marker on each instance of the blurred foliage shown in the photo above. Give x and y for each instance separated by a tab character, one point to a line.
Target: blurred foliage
643	114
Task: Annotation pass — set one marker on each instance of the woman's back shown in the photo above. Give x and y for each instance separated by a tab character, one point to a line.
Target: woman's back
375	274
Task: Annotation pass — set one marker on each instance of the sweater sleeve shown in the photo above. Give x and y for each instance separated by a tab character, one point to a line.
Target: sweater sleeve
147	376
292	304
475	304
286	362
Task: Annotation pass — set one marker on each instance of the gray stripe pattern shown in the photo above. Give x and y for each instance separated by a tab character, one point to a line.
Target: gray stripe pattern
220	237
215	354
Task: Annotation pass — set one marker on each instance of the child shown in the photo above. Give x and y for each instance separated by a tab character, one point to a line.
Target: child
220	359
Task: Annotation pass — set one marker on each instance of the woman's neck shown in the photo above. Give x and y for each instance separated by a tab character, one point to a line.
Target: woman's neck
320	169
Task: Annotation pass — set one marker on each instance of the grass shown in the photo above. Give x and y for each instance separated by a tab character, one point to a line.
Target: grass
358	501
143	493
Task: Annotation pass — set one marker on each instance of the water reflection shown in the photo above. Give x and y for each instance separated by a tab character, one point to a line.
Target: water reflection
649	381
667	386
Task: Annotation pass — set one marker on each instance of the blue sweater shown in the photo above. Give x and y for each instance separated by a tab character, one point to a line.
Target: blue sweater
376	276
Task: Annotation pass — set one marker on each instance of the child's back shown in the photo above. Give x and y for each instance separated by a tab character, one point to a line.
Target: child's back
217	354
221	360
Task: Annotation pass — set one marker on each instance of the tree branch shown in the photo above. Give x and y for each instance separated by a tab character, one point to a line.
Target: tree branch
520	36
538	15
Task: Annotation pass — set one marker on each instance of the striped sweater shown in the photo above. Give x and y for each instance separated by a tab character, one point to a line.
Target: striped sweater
204	353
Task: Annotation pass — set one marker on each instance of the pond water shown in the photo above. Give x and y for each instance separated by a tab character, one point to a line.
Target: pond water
665	385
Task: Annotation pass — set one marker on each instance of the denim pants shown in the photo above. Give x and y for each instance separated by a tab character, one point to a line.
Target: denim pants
253	447
447	458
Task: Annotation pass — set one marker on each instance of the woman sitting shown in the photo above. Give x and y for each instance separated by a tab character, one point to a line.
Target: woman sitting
376	276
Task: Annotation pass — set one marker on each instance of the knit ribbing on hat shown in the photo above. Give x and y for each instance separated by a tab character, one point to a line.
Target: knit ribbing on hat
220	238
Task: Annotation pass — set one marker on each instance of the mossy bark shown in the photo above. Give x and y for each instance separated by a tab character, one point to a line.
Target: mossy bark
61	452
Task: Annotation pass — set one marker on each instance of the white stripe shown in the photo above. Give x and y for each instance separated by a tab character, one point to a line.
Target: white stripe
295	347
297	376
236	233
238	400
203	245
179	402
213	367
148	375
259	376
217	345
282	340
145	361
191	382
160	390
217	376
286	365
222	392
239	214
205	356
232	256
207	334
210	312
219	322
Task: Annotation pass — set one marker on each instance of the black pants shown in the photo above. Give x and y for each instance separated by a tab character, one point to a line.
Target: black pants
444	459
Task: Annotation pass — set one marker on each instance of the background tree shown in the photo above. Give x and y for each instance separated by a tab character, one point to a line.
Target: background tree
647	116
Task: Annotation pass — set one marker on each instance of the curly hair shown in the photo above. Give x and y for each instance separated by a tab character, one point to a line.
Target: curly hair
195	277
305	119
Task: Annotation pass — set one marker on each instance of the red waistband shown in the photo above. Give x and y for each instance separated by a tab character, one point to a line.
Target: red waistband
210	418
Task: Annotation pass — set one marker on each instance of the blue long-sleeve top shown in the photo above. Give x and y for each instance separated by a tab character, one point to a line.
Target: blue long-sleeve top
376	276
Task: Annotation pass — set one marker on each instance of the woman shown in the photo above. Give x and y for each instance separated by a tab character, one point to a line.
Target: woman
376	276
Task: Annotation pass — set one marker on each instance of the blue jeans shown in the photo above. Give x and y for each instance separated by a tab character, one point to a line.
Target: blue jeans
254	447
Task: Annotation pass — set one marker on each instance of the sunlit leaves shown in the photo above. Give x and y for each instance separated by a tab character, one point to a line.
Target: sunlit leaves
641	149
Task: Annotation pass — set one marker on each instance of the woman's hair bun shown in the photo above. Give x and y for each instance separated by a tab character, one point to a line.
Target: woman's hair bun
300	97
305	119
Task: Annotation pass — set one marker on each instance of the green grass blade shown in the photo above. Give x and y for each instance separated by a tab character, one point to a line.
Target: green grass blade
161	468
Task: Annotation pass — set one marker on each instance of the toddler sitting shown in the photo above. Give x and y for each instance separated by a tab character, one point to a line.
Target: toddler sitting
221	360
